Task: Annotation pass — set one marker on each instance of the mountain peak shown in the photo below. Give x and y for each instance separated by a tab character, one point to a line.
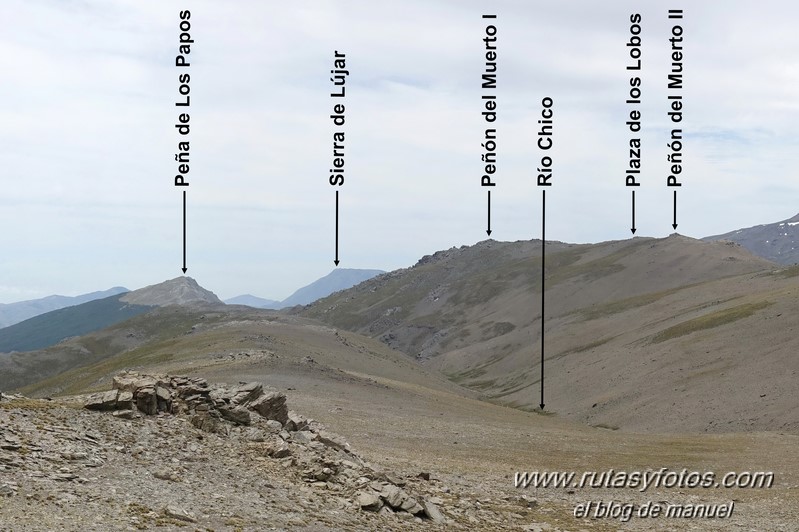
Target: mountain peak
179	291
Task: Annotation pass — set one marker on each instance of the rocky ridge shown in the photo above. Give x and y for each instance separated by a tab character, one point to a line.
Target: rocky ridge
324	457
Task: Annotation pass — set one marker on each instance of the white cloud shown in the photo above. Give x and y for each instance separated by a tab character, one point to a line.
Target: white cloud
87	114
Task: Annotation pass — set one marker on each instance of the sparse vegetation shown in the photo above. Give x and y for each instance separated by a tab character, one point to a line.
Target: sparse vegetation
708	321
791	271
582	348
622	305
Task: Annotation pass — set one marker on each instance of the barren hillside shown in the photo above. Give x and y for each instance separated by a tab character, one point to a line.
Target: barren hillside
643	334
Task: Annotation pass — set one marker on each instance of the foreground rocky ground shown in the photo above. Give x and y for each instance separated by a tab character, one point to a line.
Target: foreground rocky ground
160	452
176	453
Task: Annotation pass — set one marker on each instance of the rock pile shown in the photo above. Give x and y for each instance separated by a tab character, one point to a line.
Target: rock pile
260	416
153	394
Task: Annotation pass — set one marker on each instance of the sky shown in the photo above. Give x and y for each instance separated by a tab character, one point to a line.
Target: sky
87	137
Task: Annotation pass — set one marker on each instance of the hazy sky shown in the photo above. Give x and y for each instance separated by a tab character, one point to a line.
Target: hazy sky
87	93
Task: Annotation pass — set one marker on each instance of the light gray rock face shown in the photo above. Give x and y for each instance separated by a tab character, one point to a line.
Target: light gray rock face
271	406
178	291
241	395
125	400
102	401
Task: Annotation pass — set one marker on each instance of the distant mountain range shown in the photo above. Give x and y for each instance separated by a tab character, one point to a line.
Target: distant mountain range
778	242
11	313
254	301
52	327
92	312
338	279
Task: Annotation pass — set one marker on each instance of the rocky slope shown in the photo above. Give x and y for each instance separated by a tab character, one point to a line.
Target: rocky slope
634	328
189	466
778	242
178	291
170	451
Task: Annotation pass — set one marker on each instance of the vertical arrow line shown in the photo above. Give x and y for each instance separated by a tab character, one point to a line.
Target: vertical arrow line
633	227
336	261
488	230
184	231
543	281
675	210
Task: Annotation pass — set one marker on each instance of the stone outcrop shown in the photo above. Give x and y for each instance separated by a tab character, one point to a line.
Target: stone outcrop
154	394
259	416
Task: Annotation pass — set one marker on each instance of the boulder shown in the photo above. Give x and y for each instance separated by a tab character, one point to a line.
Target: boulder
271	405
236	414
303	437
102	401
432	511
125	382
278	450
295	421
333	440
146	400
246	393
274	425
393	496
369	501
325	474
412	506
163	399
193	391
125	400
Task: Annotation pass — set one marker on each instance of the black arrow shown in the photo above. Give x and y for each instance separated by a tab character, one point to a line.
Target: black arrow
633	227
543	280
674	225
336	261
488	231
184	232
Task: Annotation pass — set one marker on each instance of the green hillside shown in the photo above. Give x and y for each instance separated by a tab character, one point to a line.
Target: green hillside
52	327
